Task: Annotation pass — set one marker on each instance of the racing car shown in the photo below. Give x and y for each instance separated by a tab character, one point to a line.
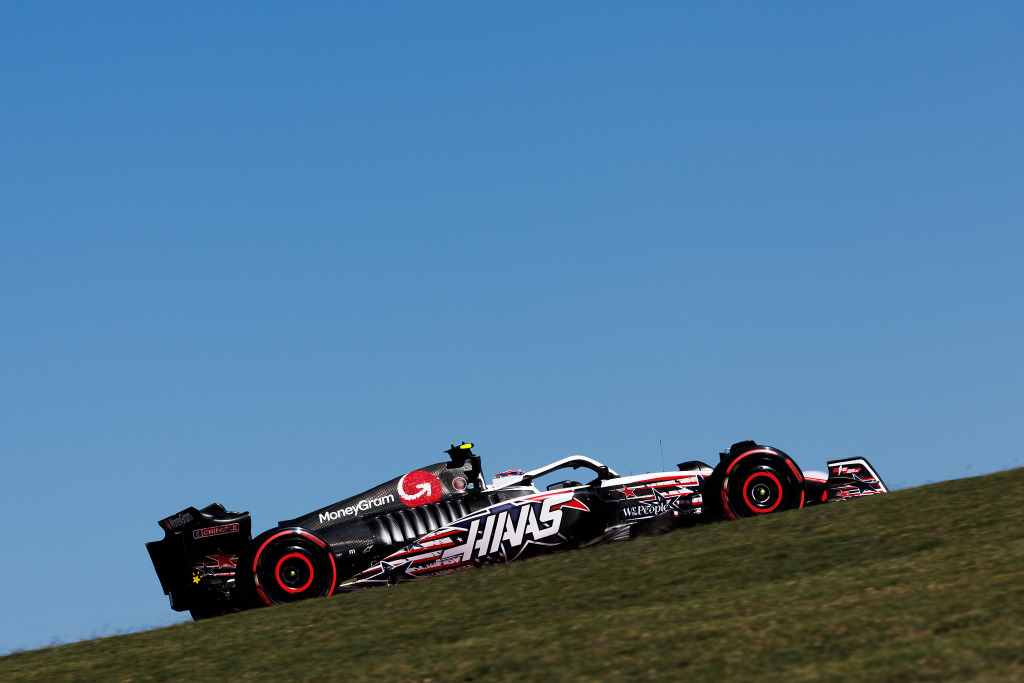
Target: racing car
445	517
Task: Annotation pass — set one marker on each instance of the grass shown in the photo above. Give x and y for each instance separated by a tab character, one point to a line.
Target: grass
921	584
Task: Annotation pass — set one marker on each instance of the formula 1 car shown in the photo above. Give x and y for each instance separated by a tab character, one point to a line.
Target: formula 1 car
445	517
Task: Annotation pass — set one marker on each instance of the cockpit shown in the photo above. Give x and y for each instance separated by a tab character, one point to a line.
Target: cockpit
556	475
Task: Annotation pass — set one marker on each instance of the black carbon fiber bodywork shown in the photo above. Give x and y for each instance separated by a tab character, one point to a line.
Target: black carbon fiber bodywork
382	499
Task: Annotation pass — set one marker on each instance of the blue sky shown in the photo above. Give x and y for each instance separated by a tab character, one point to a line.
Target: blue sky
270	254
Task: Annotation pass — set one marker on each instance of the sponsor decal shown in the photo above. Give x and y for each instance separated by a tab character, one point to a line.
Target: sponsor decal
215	531
843	469
459	483
643	511
362	506
501	532
509	529
419	488
651	508
178	521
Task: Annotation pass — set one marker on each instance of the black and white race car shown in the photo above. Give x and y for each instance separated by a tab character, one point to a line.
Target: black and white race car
445	517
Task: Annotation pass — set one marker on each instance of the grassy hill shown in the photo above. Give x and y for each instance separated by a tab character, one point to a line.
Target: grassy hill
922	584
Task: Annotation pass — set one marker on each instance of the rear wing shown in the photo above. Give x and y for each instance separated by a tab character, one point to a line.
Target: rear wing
199	552
852	478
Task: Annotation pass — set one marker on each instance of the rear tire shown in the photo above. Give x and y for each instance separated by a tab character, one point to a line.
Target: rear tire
760	481
290	564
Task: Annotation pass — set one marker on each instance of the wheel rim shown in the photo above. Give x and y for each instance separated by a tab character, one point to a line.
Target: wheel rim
762	491
294	572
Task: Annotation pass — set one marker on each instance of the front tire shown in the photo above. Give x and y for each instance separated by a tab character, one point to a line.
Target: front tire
291	564
760	481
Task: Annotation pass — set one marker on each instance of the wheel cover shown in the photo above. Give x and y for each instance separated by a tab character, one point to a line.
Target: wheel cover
291	570
762	491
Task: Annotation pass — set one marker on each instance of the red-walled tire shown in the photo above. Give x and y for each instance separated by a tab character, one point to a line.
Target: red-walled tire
290	564
760	481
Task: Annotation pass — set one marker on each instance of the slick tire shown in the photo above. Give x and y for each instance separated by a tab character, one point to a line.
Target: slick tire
289	564
760	481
